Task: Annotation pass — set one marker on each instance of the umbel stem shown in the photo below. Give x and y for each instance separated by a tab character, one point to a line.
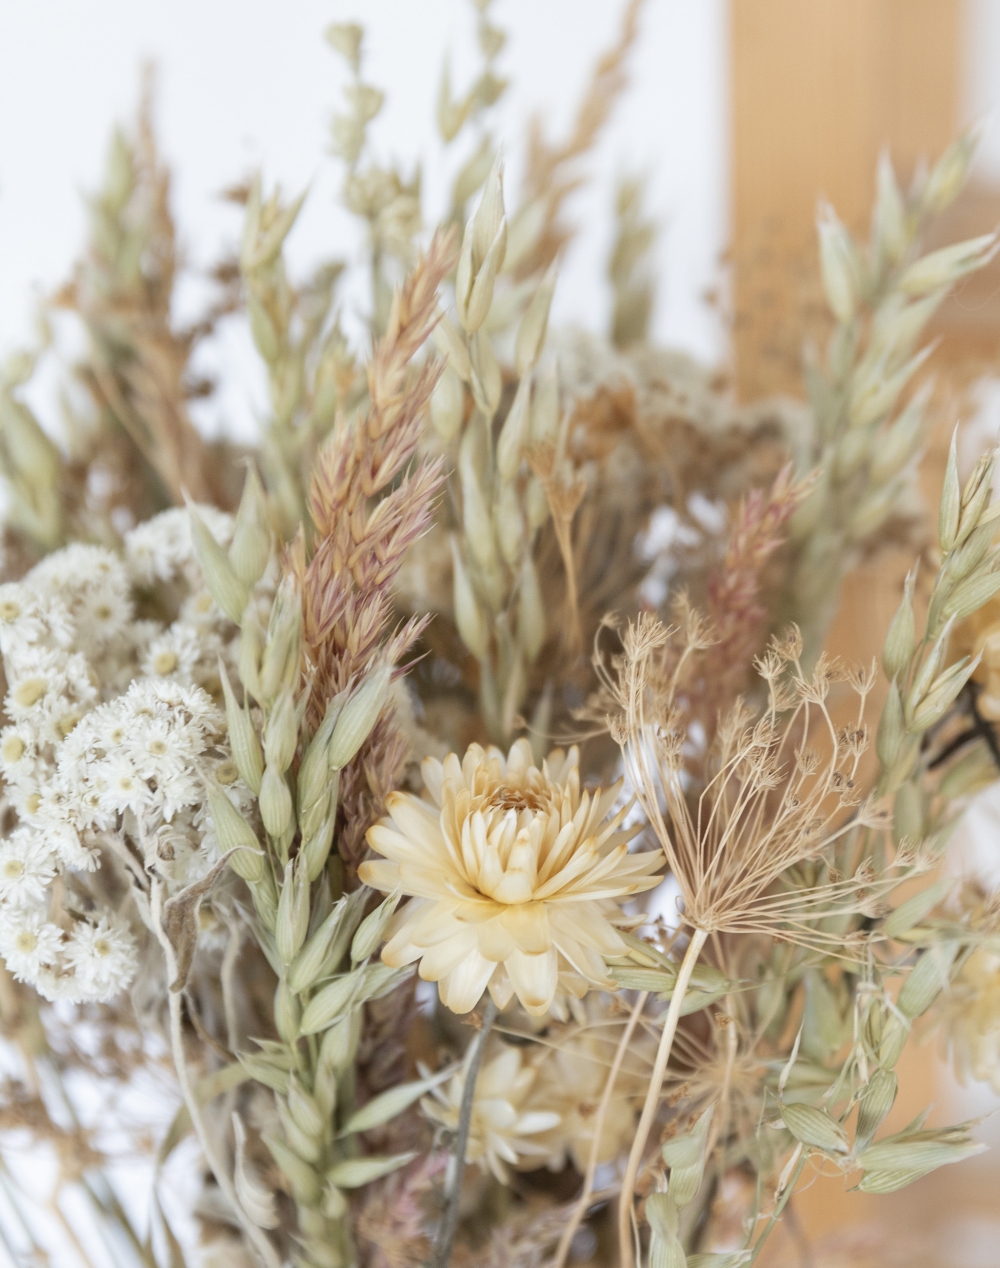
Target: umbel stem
653	1097
446	1233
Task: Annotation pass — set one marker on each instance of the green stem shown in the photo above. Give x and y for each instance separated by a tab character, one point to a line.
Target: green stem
449	1225
776	1214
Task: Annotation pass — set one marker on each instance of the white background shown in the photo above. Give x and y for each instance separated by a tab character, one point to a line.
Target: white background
252	85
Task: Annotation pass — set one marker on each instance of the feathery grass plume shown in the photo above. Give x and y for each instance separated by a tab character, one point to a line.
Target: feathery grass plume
346	581
551	176
137	370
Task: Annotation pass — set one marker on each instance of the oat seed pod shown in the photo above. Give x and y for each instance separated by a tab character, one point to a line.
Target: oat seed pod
250	653
234	833
901	640
839	265
949	173
946	266
814	1127
250	548
469	617
685	1156
910	913
372	928
545	408
242	737
889	220
448	405
876	1102
487	380
908	813
481	295
452	347
280	660
489	216
531	611
293	911
275	800
225	587
317	844
287	1012
358	716
330	1003
942	694
534	324
304	1181
514	433
281	732
927	979
891	728
308	965
304	1110
510	525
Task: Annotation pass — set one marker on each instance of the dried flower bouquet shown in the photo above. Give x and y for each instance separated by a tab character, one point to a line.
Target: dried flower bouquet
483	880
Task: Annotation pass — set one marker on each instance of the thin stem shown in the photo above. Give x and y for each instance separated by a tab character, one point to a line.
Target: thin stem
583	1202
449	1225
776	1214
255	1236
653	1097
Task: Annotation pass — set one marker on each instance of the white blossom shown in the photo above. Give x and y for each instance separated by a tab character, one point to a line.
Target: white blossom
103	957
27	865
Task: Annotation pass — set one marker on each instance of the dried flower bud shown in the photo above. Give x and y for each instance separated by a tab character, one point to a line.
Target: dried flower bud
469	617
242	737
901	640
224	586
281	733
370	932
448	405
839	266
251	545
275	802
293	912
514	433
534	323
234	833
358	716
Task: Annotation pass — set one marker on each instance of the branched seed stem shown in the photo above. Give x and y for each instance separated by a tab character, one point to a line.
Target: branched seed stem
653	1097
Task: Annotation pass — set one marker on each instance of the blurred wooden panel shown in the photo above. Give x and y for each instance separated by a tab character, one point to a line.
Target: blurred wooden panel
818	87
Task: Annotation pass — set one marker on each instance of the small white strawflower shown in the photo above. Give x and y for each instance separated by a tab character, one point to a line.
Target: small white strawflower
502	1128
103	957
29	943
27	865
93	582
29	620
514	871
161	549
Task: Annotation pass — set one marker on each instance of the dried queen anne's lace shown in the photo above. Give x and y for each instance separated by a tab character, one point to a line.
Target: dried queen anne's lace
111	737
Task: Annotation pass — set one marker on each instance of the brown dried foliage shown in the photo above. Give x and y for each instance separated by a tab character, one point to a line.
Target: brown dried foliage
368	504
551	175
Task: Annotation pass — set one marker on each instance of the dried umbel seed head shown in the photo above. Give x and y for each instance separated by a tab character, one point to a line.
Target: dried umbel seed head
515	875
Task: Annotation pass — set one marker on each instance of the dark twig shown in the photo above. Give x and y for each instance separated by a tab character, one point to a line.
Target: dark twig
446	1233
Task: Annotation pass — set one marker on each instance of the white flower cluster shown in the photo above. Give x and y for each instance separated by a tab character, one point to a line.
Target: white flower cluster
111	735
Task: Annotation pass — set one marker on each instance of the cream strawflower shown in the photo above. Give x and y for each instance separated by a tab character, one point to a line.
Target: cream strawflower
514	874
